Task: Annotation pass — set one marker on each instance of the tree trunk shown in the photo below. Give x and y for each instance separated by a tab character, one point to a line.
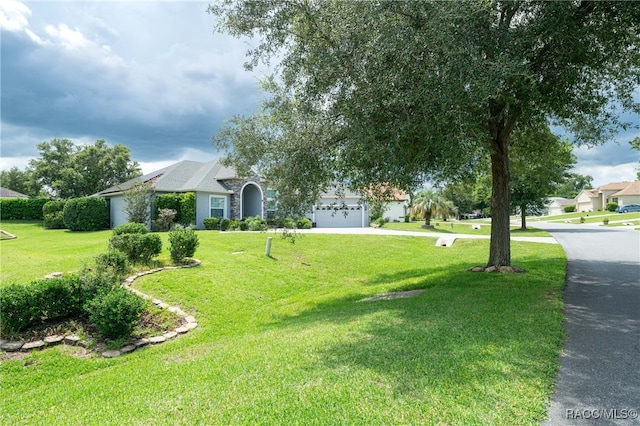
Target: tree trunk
500	246
523	221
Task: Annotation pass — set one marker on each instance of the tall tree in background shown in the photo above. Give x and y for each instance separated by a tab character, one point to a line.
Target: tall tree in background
635	144
70	171
370	92
539	163
572	184
20	180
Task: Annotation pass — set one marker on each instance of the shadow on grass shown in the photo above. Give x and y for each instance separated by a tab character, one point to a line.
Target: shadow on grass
470	338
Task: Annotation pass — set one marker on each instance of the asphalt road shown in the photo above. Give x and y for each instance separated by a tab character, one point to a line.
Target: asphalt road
599	378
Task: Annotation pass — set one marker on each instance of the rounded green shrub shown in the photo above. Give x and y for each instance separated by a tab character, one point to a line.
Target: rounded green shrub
225	224
183	243
53	214
210	223
115	312
139	248
611	207
86	214
256	223
130	228
304	223
113	261
18	308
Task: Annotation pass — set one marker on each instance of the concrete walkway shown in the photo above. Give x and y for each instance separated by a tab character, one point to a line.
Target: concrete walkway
599	378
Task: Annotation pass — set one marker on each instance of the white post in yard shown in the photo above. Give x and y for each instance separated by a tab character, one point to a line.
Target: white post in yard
267	250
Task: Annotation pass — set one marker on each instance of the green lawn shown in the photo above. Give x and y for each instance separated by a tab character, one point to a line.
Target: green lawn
465	227
283	340
591	217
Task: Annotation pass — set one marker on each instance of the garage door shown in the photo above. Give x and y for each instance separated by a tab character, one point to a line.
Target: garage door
348	217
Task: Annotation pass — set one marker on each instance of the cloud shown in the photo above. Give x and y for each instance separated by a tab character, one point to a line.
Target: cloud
14	16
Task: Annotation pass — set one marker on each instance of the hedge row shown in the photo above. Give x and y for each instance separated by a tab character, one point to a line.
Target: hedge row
86	214
22	208
183	203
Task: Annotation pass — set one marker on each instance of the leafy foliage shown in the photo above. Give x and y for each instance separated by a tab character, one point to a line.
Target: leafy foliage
130	228
210	223
112	262
21	181
183	243
70	171
53	214
138	202
86	214
183	203
164	220
139	248
397	92
22	208
115	312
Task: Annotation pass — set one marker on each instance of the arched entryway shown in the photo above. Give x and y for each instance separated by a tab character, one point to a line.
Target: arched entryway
251	200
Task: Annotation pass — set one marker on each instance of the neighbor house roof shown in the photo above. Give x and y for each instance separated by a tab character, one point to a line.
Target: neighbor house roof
561	201
10	193
183	176
630	188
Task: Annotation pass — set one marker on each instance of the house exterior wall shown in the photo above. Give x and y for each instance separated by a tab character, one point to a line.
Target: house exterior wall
628	199
117	215
555	208
395	211
584	203
203	207
235	202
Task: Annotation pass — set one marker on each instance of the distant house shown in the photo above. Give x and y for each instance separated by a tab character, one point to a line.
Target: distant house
556	205
9	193
589	200
220	192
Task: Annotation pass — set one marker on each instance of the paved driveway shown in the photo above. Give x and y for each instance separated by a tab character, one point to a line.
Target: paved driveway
599	379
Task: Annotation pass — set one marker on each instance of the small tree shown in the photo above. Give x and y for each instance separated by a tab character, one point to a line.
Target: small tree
138	202
183	243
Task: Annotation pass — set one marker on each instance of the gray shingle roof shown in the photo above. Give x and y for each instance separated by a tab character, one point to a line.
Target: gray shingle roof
10	193
183	176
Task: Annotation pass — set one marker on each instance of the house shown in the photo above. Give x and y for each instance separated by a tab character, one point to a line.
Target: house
220	192
556	205
9	193
595	199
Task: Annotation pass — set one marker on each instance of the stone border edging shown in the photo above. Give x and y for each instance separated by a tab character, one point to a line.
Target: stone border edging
190	323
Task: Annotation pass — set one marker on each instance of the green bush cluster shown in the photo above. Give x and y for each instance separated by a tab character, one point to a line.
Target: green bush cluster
139	248
290	223
255	224
115	312
130	228
22	208
86	214
183	243
379	222
225	224
611	207
165	219
53	214
183	203
570	208
211	223
113	262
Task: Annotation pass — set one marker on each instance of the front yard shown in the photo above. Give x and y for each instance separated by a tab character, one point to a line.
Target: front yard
285	340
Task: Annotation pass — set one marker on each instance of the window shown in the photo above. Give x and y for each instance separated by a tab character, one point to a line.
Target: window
271	204
217	206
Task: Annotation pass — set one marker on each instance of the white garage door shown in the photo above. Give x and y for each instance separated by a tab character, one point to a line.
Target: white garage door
349	217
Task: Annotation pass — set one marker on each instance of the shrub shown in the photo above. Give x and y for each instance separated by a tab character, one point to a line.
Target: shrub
51	298
114	262
244	226
378	222
611	207
225	224
165	220
130	228
86	214
605	221
183	243
91	283
167	201
18	308
139	248
22	208
304	223
187	208
570	208
211	223
256	223
406	218
115	312
234	225
53	214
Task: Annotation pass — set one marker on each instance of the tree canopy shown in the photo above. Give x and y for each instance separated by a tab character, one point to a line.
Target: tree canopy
69	171
401	91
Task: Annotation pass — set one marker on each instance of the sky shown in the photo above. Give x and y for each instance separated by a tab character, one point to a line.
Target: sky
153	76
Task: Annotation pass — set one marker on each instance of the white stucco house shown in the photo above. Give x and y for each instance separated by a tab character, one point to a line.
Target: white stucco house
590	200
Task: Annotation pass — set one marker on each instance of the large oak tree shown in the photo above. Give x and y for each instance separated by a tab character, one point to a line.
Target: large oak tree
366	92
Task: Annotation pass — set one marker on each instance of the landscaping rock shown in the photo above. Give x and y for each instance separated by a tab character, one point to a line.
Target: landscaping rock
140	342
191	325
182	330
190	318
53	340
29	346
127	349
157	339
111	354
11	346
71	340
170	335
